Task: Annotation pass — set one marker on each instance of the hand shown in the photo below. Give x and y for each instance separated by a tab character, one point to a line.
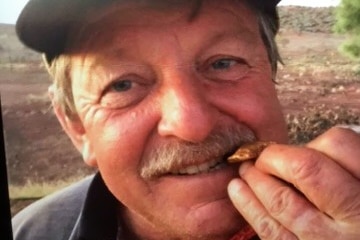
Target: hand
307	193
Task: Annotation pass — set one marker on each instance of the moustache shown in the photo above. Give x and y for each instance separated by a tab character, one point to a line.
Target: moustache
174	154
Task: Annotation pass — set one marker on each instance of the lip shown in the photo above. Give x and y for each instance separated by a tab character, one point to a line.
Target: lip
178	168
204	187
226	172
203	167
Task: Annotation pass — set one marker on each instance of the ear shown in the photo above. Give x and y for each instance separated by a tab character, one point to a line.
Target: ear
75	130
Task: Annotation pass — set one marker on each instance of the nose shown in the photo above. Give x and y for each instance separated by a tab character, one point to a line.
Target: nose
186	112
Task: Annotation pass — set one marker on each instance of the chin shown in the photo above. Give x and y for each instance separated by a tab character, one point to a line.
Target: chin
219	221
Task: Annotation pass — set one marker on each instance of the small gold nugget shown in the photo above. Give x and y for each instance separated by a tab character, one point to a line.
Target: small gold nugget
248	151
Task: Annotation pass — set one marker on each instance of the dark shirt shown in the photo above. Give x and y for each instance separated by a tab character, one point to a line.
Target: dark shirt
83	211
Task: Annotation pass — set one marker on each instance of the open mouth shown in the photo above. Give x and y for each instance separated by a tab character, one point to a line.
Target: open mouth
206	167
195	163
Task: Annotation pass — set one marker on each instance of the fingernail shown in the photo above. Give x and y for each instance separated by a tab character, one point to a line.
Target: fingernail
235	186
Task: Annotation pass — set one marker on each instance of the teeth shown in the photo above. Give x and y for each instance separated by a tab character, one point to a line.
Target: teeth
219	166
192	170
202	168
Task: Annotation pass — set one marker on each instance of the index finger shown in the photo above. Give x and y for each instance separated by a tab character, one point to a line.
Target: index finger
342	145
321	180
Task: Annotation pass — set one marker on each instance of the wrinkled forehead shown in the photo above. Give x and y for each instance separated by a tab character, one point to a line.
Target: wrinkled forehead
159	14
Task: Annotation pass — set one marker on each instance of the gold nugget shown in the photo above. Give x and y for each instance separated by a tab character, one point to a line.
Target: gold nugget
248	151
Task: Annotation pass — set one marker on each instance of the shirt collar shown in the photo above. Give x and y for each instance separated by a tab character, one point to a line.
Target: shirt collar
97	219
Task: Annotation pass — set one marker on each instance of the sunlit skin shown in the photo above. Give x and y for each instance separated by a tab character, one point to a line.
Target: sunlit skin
151	78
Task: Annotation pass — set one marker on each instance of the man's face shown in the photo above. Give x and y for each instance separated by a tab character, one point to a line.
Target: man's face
163	100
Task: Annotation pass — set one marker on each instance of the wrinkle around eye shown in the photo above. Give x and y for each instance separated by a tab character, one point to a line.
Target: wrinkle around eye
123	98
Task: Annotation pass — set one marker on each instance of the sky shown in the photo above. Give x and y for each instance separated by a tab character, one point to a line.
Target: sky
10	9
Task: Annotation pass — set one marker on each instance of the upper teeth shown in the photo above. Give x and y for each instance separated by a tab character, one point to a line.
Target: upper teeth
202	168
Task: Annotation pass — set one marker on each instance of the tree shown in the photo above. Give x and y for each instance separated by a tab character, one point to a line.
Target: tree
348	21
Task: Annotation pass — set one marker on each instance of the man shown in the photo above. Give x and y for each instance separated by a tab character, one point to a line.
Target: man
156	95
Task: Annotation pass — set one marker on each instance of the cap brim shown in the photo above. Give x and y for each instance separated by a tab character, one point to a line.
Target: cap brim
43	25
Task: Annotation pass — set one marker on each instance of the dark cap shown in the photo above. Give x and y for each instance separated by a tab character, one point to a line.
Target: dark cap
43	25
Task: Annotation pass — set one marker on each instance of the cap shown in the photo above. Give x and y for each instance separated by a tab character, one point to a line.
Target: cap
43	25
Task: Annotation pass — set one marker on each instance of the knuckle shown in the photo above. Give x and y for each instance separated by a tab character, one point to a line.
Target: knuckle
280	200
340	131
268	229
306	169
332	138
335	137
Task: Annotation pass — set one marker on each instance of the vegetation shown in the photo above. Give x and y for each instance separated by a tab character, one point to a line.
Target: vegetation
348	21
34	190
315	120
305	19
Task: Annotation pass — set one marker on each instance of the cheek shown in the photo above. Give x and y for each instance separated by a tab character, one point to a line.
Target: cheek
111	140
119	138
257	106
265	116
118	141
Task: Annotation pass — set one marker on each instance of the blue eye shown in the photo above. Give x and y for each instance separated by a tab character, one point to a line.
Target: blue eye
224	67
122	86
223	64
